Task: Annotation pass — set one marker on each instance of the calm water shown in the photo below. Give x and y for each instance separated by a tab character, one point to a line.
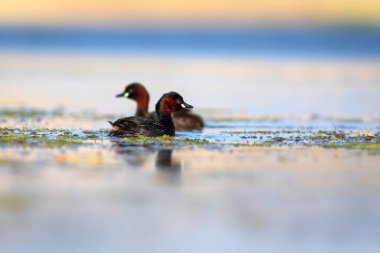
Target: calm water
111	195
275	172
93	199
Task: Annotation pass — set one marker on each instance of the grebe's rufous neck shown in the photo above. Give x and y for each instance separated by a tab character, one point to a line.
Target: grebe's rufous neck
138	93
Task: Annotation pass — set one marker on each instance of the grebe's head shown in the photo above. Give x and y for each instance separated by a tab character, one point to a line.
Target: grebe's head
134	91
171	102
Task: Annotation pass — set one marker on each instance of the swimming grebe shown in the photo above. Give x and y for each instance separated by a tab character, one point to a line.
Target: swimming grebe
183	120
138	126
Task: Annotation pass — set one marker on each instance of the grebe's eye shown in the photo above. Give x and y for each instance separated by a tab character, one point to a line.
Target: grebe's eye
126	94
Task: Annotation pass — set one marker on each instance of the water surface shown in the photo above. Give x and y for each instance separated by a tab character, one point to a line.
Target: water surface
237	186
288	159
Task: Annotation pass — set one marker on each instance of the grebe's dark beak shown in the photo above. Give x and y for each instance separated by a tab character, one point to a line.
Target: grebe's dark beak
126	94
186	106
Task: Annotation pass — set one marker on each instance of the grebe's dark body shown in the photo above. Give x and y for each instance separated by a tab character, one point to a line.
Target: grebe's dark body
183	120
139	126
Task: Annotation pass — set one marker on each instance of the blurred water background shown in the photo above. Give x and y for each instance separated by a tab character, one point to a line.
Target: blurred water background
253	70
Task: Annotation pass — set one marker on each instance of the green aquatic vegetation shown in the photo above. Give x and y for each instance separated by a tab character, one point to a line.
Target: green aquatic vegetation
61	141
369	138
367	146
34	140
194	141
325	137
103	131
95	132
319	137
144	138
328	135
165	140
325	132
52	132
278	139
88	132
28	138
340	136
64	137
9	139
363	138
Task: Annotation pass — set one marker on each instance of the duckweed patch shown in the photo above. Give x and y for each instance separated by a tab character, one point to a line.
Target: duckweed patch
164	140
29	141
46	137
65	137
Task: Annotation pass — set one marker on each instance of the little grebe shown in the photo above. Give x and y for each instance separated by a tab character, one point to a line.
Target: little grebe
138	126
183	120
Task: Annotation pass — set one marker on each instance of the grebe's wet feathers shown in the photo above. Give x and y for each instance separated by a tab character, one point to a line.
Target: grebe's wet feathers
138	126
135	126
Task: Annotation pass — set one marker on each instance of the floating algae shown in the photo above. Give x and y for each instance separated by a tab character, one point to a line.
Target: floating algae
211	136
43	137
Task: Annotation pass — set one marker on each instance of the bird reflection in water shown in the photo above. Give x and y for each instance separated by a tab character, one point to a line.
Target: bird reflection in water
165	163
170	168
138	155
134	155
